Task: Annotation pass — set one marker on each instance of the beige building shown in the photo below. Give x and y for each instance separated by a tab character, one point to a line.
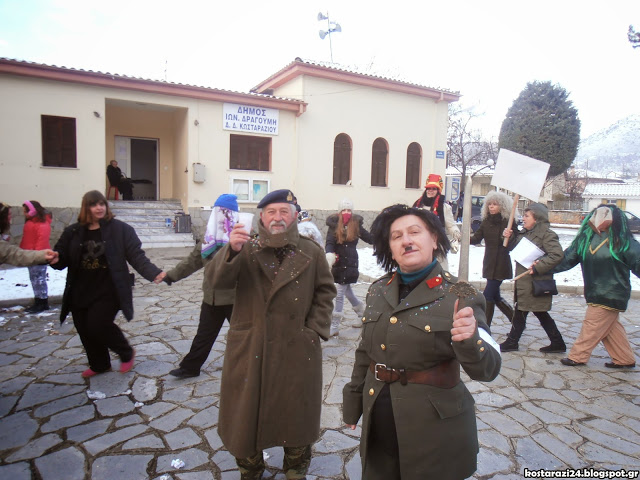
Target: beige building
324	132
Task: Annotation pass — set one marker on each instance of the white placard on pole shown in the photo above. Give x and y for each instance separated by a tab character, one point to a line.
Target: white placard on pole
520	174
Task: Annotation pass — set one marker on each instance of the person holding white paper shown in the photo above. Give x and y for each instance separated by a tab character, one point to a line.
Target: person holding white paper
537	230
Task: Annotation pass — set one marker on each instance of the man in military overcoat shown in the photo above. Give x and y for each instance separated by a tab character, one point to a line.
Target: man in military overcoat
271	392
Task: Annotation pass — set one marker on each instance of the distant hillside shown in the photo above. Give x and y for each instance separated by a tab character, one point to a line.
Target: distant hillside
616	148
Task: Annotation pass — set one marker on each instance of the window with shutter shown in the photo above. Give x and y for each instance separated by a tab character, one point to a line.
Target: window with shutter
379	162
342	159
250	153
58	141
414	159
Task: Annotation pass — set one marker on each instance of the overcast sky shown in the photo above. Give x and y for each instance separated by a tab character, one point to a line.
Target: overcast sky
487	50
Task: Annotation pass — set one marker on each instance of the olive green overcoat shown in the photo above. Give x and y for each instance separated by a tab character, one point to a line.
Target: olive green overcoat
191	264
436	427
271	392
546	240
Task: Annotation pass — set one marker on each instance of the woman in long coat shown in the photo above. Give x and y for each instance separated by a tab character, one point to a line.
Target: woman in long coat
418	418
96	251
345	229
537	230
496	265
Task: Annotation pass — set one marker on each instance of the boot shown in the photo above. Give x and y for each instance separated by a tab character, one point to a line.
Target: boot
359	309
557	342
491	306
39	305
506	309
518	325
336	318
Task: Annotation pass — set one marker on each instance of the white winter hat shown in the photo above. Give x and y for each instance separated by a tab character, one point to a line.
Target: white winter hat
345	204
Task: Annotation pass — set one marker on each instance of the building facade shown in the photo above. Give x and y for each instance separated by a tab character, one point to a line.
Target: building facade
323	132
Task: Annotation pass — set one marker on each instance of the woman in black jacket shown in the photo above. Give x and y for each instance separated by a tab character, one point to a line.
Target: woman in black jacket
96	251
496	265
345	229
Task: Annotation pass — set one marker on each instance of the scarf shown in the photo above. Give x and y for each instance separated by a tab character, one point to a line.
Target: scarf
219	227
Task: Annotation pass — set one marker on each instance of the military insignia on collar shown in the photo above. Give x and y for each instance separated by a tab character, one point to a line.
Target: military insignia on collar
290	197
392	277
434	282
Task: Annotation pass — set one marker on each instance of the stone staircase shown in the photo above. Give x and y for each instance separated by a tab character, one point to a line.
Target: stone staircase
148	218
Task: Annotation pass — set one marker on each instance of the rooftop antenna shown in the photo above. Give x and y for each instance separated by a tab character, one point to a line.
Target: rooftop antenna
331	27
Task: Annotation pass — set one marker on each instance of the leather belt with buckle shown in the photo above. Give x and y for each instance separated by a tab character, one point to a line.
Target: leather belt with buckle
444	375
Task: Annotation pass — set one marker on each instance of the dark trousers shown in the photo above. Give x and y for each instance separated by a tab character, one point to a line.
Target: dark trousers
383	456
520	323
126	188
99	334
492	290
211	320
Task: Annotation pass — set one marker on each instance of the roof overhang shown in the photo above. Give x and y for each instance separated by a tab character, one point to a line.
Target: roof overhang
99	79
299	67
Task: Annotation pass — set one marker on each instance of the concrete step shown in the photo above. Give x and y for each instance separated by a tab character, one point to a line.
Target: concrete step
149	221
148	245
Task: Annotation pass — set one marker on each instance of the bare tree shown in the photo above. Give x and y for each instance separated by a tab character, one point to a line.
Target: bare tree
466	146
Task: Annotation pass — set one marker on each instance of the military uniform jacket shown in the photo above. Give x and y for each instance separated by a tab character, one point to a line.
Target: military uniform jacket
271	392
436	427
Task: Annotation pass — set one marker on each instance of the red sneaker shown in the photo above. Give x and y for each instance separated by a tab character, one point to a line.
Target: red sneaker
88	373
127	366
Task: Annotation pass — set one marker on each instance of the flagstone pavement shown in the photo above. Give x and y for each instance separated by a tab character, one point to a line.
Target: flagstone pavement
538	414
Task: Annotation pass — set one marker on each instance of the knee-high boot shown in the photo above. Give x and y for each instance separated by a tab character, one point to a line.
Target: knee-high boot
506	309
491	306
557	342
518	325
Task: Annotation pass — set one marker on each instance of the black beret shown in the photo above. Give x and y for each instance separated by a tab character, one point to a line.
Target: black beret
277	196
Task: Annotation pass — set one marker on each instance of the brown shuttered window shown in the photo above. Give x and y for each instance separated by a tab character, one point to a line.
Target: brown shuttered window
379	157
414	158
342	159
58	141
250	153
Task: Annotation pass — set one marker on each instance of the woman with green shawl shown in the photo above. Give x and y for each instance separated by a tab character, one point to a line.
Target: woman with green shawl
607	253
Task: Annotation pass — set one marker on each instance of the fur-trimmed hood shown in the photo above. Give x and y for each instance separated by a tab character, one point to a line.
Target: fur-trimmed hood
502	199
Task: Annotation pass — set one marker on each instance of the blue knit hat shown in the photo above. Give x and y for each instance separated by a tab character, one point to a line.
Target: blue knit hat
227	200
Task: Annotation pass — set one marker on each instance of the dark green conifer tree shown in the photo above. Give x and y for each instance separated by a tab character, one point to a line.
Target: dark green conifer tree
542	123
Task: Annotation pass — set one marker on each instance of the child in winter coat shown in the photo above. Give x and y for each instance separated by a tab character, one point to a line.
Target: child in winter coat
35	236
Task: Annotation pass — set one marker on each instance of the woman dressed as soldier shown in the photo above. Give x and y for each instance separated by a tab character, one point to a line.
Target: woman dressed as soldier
418	416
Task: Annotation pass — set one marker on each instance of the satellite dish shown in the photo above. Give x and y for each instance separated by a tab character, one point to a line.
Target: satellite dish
337	28
321	17
322	34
